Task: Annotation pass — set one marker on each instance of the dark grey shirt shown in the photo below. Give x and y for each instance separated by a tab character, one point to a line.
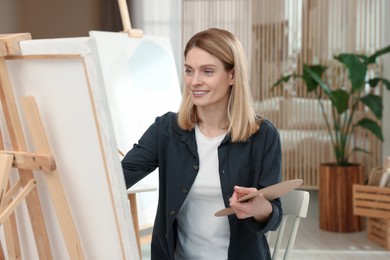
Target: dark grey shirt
254	163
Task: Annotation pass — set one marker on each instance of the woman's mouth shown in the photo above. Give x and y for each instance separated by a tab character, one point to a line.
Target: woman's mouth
199	93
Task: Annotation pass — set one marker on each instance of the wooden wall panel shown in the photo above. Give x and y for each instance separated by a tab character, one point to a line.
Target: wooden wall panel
279	36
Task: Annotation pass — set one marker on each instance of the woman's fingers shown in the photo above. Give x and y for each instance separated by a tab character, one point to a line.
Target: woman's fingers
250	208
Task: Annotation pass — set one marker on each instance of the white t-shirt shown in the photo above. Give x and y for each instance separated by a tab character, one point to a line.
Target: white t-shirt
201	235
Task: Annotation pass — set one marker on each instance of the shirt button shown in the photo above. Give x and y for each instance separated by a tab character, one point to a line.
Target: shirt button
172	213
195	167
184	190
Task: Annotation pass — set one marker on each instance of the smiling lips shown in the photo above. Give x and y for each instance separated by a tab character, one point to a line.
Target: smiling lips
199	93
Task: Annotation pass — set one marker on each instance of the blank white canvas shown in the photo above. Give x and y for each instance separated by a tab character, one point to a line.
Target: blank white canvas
141	83
74	108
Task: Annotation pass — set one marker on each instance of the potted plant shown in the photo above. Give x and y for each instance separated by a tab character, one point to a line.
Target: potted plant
350	90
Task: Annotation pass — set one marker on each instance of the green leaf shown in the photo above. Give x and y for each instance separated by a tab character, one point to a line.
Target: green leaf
281	80
312	77
371	126
374	82
374	103
340	99
357	69
358	149
378	53
386	82
311	84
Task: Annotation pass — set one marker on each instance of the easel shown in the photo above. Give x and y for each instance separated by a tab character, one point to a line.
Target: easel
25	162
124	11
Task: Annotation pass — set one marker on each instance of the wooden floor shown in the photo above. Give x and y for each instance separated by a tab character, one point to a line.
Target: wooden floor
313	243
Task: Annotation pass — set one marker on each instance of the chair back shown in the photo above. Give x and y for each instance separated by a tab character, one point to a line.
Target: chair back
295	205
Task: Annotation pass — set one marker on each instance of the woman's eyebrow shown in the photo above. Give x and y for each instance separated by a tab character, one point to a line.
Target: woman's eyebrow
202	66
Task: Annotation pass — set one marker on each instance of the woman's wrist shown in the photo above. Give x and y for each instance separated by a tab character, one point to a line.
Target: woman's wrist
265	214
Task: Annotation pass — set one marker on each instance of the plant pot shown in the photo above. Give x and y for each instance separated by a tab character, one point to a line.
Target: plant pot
335	197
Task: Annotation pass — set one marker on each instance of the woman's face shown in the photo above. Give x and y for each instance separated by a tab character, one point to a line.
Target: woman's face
206	79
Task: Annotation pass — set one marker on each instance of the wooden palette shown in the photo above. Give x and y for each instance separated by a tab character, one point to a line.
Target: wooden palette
270	193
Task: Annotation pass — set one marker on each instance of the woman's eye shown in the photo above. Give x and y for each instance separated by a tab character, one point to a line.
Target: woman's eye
208	72
188	71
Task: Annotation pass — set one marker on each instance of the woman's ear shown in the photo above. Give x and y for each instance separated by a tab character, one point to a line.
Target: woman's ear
231	77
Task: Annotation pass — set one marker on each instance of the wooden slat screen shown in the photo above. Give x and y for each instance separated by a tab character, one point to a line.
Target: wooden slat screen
233	15
279	36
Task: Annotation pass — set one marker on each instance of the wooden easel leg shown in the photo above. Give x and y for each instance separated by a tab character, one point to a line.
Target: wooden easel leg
9	226
134	214
2	256
10	230
17	139
12	238
52	180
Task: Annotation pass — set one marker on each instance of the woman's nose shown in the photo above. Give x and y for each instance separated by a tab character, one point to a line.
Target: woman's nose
196	79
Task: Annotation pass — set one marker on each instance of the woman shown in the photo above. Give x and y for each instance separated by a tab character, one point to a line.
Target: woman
212	152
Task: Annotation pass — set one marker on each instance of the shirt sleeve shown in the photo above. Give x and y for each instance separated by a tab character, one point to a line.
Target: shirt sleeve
142	159
271	173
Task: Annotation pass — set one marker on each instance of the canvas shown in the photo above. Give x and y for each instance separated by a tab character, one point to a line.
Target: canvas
71	98
141	83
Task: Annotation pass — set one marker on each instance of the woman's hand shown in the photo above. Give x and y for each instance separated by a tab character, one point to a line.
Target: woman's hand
258	207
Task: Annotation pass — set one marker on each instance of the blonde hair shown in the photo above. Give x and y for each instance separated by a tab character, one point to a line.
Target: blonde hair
227	48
